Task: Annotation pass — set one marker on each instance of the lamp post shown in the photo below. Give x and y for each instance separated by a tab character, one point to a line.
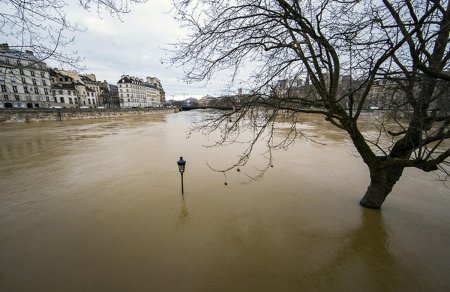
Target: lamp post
181	165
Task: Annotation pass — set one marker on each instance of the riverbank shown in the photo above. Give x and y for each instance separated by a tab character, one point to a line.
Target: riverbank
37	115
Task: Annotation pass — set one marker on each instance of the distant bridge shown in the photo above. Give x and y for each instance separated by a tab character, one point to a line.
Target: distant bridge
223	108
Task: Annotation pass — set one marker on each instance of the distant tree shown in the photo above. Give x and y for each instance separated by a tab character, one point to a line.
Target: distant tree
43	27
348	50
110	99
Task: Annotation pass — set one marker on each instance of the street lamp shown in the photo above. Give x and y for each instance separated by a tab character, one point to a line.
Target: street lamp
181	165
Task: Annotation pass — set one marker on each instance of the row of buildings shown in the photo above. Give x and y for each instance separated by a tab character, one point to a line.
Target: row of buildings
384	94
27	82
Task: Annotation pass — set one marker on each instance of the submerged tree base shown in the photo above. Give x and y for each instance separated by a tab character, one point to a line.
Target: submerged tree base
368	203
382	180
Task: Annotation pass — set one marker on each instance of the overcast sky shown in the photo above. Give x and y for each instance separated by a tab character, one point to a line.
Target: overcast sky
134	46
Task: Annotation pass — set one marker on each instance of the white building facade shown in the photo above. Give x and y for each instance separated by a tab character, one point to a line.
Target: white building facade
135	92
153	96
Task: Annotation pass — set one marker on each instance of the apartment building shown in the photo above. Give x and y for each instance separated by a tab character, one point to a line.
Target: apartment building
70	91
135	92
156	83
24	80
91	83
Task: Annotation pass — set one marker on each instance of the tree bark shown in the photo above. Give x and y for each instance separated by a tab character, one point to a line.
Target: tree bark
382	180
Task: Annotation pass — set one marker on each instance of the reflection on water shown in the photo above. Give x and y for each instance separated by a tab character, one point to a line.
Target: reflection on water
96	206
183	214
367	245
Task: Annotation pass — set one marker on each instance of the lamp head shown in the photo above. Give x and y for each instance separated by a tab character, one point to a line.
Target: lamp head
181	165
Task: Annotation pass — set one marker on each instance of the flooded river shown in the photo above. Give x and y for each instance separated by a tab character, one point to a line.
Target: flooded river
97	206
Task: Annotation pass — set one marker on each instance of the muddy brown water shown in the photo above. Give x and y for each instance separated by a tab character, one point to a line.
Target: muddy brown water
96	206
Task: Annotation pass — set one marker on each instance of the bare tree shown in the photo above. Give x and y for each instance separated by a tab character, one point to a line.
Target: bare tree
43	27
348	51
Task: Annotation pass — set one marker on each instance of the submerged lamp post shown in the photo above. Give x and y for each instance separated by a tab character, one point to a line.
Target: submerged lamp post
181	165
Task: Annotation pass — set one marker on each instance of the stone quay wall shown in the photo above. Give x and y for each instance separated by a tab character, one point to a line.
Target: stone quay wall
36	115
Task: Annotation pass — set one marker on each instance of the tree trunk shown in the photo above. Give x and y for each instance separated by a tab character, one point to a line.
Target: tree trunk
382	180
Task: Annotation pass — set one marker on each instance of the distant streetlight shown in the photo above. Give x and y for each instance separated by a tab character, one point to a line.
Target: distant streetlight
181	166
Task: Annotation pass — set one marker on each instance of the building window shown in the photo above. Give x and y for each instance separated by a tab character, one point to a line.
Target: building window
60	79
32	73
21	71
89	100
7	61
60	92
17	97
25	89
47	98
44	83
54	99
19	63
62	99
34	81
46	90
43	74
24	80
13	79
36	90
69	92
5	97
2	78
75	100
4	88
15	89
70	100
